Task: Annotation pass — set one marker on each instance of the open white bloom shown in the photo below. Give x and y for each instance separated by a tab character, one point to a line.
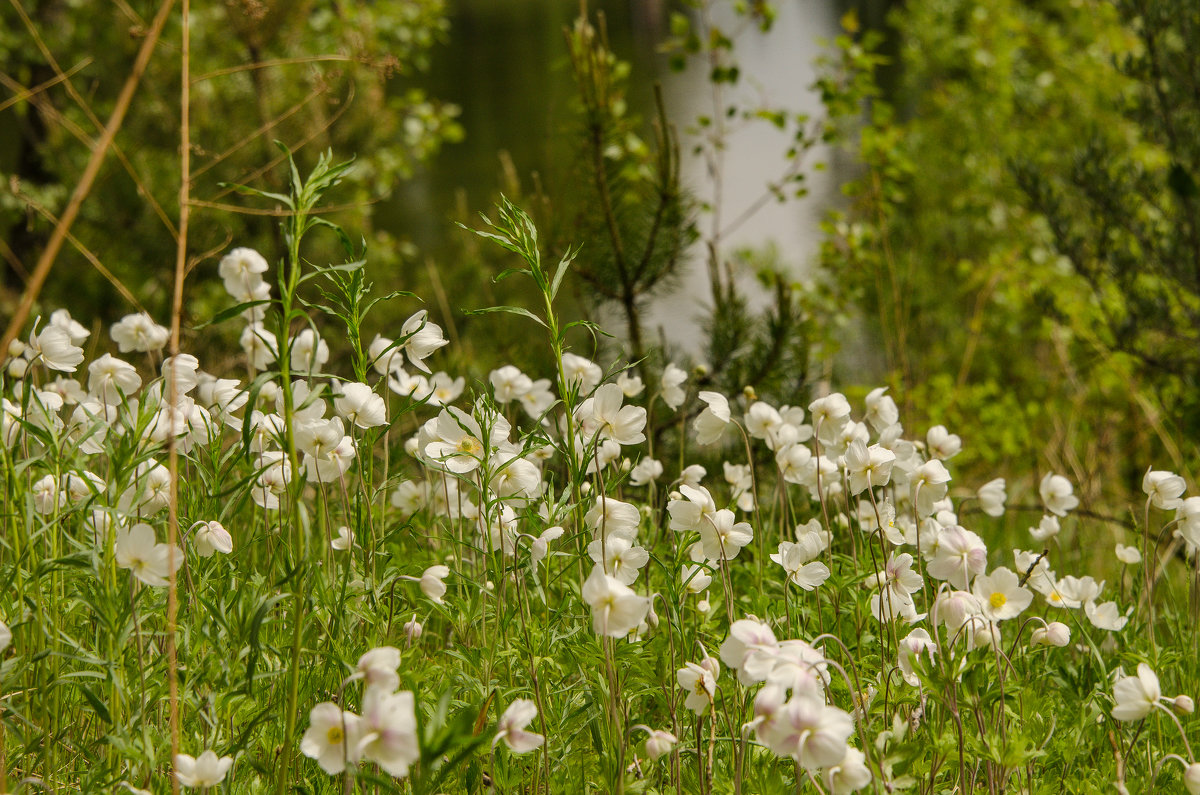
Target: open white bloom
54	349
619	557
582	372
712	421
537	399
809	731
763	421
389	731
137	551
868	467
76	331
139	332
630	383
723	537
616	609
645	472
797	562
332	738
509	383
992	497
849	775
240	269
692	509
699	681
929	487
511	728
609	517
203	771
1105	616
421	338
751	649
212	537
1057	494
1187	515
828	412
1136	696
540	547
432	582
941	443
111	379
459	445
377	667
309	352
960	555
1000	594
47	497
603	415
359	404
881	409
1164	489
695	578
344	539
673	393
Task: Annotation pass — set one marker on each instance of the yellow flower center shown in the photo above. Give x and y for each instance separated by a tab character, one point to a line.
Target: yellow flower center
469	445
997	600
334	735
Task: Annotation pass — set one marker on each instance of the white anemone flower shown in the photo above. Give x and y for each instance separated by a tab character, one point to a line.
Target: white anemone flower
581	371
1164	489
616	609
389	731
203	771
212	537
1136	696
359	404
992	496
332	738
1057	494
699	681
671	386
511	727
712	421
1000	594
139	332
150	562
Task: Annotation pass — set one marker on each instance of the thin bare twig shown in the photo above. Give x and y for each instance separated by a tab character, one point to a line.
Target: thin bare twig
250	67
27	93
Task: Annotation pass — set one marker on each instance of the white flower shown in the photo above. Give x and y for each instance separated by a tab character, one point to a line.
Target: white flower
695	578
671	385
1055	633
960	555
584	373
722	537
111	379
1105	616
309	352
881	409
540	547
432	584
849	775
76	332
868	467
750	649
378	668
645	472
1165	489
359	404
619	557
795	559
616	609
509	383
332	735
260	346
137	551
138	332
603	415
941	443
1128	555
1135	696
241	270
659	742
1000	594
699	680
992	497
1057	494
810	732
692	509
511	728
55	350
204	771
389	731
344	539
912	646
212	537
712	421
829	412
5	636
631	385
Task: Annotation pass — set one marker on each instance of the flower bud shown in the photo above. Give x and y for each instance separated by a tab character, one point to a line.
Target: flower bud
658	743
1055	633
1191	778
17	368
413	629
1184	705
16	348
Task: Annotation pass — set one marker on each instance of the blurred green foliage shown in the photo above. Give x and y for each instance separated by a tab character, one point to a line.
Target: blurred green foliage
313	75
1017	235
